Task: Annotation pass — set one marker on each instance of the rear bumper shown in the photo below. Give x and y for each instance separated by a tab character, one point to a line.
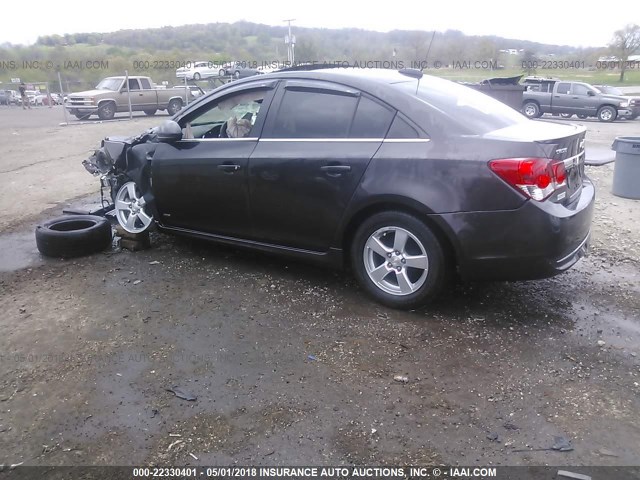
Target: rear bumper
538	240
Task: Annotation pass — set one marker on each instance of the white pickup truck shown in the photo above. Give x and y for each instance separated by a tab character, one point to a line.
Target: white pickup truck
111	95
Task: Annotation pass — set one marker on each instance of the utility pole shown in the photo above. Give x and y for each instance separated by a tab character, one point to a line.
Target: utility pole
290	40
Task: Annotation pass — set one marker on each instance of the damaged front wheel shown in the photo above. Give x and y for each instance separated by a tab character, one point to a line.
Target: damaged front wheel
130	209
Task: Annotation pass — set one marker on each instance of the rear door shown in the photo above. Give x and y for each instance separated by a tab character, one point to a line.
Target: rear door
562	101
318	140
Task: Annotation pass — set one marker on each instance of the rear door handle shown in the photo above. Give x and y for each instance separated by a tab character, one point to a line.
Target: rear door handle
227	167
336	169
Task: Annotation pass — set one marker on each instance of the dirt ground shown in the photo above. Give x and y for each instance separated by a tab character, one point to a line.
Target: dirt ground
294	365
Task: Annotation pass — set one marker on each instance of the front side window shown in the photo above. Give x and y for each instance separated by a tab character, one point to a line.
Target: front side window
133	84
146	85
230	117
564	88
580	90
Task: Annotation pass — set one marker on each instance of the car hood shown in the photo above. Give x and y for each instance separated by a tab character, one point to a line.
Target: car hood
535	131
619	98
90	93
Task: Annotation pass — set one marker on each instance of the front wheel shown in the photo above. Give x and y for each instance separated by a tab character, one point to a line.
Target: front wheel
531	110
131	209
106	111
150	112
607	114
582	116
196	76
398	260
566	115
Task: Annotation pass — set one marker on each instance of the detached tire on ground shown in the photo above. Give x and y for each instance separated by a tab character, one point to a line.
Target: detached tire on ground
73	236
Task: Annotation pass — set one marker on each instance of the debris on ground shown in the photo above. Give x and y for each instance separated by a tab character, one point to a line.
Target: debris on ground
562	444
577	476
494	437
313	358
183	394
401	378
606	453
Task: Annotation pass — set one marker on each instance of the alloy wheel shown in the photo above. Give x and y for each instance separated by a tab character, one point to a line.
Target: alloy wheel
395	260
130	209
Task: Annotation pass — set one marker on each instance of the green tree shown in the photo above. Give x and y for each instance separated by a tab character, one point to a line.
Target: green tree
625	43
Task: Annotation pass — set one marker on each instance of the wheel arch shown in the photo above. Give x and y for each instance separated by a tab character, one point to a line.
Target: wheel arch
405	205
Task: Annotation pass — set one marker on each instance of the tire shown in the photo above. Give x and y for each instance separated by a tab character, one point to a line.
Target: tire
73	236
531	110
566	115
131	209
82	116
174	106
581	116
607	114
398	285
222	72
236	74
196	76
150	112
633	117
106	111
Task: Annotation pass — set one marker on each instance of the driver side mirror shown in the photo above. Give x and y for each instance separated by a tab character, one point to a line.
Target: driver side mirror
591	93
169	132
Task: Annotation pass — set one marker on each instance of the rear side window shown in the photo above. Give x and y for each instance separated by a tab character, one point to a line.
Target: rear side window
372	119
314	114
401	129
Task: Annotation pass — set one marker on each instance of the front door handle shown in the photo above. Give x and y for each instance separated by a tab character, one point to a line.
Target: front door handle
229	167
336	169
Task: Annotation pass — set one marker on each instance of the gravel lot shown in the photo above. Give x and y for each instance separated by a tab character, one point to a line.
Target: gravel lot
291	364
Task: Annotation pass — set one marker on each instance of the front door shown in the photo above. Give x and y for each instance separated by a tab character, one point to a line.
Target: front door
200	182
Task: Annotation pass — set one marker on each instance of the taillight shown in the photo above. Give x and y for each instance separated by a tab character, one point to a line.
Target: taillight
536	178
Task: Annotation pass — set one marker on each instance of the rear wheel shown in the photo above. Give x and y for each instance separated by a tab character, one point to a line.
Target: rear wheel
398	260
196	76
174	106
531	110
581	116
566	115
607	114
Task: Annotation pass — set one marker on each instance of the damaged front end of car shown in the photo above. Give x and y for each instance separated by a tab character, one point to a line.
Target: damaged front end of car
124	166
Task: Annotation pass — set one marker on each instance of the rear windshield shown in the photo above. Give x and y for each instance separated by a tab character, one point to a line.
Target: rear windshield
474	111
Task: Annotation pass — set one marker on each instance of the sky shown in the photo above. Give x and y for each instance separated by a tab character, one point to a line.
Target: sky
565	23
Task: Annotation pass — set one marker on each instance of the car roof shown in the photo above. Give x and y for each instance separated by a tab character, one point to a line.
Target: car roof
382	84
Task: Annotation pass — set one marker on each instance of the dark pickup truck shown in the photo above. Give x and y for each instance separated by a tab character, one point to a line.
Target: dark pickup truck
545	95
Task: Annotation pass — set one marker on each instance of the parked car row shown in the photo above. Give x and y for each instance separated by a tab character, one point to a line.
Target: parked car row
202	70
12	97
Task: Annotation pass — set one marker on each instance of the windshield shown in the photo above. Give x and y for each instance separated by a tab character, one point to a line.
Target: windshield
472	110
610	90
110	83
